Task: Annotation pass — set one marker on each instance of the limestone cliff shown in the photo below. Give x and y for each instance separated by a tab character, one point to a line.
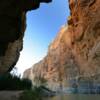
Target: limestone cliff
73	58
12	27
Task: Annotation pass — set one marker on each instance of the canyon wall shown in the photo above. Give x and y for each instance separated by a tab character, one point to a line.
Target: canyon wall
73	58
12	27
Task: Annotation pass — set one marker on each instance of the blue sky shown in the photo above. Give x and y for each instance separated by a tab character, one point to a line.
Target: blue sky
43	25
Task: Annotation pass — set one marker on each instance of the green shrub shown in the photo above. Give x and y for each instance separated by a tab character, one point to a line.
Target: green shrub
31	95
10	82
37	93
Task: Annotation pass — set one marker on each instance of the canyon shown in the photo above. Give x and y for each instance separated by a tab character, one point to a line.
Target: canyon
73	58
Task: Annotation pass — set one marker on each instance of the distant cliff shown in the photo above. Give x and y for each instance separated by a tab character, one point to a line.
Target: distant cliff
73	58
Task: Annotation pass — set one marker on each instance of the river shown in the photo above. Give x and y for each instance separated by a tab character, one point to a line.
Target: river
76	97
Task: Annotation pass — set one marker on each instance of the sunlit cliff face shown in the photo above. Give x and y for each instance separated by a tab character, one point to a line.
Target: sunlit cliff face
74	56
61	37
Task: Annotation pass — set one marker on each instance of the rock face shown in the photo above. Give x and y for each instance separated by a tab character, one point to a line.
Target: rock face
12	27
27	73
73	58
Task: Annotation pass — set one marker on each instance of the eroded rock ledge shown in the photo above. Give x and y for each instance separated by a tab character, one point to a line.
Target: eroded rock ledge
12	27
73	59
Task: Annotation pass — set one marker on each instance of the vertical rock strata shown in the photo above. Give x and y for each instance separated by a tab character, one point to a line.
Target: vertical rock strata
73	58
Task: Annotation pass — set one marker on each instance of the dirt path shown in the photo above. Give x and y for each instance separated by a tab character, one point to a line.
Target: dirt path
10	95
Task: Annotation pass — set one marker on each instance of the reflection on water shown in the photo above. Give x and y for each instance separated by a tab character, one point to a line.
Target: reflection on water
82	89
76	97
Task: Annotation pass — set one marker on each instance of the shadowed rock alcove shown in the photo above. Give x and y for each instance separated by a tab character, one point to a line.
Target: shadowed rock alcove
12	27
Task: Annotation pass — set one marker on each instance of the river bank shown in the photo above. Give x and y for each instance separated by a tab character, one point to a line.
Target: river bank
10	95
